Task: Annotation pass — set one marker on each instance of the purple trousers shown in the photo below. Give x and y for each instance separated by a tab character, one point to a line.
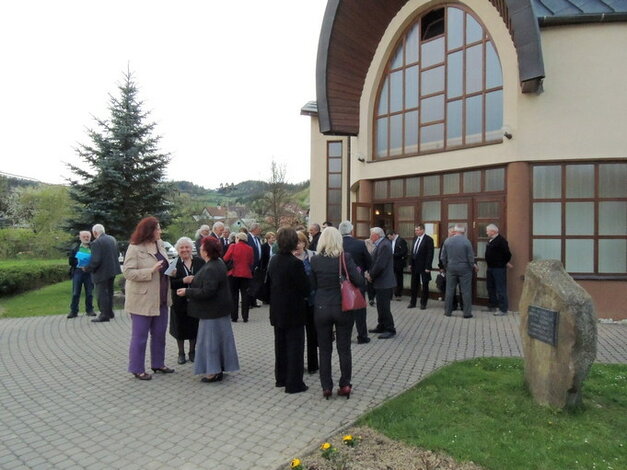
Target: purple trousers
141	326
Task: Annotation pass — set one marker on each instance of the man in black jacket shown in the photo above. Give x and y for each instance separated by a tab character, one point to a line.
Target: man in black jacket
420	262
399	250
358	251
104	266
497	256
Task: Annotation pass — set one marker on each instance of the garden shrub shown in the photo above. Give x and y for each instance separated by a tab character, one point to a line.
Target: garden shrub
23	276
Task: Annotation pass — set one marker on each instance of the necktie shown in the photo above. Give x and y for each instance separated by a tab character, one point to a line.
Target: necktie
417	245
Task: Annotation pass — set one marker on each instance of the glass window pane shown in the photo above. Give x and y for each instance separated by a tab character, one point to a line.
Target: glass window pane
411	132
455	75
613	256
455	28
579	256
334	196
432	80
483	269
397	58
335	180
481	248
412	187
431	185
547	181
396	91
547	218
411	45
612	178
451	183
432	52
432	137
335	165
613	218
431	211
474	119
547	249
454	123
474	31
493	73
383	99
489	210
406	213
411	87
494	115
382	137
362	230
396	188
381	189
472	182
495	179
335	149
579	181
432	109
396	134
334	214
363	213
474	68
458	211
482	289
579	218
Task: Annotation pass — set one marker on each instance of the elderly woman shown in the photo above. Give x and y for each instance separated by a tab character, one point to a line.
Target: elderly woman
305	255
182	326
147	297
241	255
210	301
288	287
328	309
202	232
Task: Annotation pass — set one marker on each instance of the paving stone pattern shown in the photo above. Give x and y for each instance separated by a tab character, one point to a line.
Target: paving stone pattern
67	402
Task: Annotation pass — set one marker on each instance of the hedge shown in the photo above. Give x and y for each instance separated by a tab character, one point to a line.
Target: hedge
19	277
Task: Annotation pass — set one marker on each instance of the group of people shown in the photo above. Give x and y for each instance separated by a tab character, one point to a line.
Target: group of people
295	272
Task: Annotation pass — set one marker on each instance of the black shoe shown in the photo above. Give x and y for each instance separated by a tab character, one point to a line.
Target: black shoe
363	340
181	359
378	329
312	371
423	307
90	314
496	314
192	356
387	335
100	319
447	314
279	384
163	370
411	306
468	316
72	315
303	389
245	320
234	320
112	316
215	378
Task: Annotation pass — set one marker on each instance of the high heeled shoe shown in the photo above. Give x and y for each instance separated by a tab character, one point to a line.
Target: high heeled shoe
163	370
345	391
327	393
214	378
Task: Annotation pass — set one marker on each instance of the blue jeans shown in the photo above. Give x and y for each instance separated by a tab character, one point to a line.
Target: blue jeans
79	279
497	288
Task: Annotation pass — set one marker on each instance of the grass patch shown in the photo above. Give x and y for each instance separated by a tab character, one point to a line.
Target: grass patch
479	410
12	263
50	300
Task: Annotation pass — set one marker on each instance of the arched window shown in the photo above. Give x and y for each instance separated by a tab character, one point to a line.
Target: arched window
442	88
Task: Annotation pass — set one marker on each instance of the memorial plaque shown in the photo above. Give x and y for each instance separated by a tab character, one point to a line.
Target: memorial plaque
542	324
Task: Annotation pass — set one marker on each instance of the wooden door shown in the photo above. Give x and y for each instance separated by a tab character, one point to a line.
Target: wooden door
362	220
486	210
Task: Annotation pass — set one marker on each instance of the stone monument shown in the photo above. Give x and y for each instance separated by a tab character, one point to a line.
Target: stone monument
558	328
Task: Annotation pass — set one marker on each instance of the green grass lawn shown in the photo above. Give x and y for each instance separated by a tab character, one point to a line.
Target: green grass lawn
11	263
479	410
50	300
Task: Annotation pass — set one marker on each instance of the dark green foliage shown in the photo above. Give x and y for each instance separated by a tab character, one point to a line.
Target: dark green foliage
125	179
21	276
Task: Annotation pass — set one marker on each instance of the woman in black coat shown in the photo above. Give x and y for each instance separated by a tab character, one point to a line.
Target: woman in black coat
210	301
328	309
288	288
182	326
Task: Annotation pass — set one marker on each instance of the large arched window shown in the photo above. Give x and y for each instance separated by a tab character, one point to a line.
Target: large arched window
442	88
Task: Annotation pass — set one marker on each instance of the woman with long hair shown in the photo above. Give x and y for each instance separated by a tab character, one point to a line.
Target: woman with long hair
147	297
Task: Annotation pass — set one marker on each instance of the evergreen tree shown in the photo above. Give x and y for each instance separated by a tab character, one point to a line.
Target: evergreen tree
125	179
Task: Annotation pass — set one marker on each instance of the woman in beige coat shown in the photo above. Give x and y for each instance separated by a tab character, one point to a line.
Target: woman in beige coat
147	297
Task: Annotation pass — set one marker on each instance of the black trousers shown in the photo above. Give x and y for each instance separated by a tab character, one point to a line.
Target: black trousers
497	288
416	280
326	317
385	321
312	341
398	274
289	353
104	294
239	285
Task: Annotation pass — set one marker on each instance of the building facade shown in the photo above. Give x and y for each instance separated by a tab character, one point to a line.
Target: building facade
511	112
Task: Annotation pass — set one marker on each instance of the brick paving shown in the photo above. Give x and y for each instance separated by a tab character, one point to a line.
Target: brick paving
66	400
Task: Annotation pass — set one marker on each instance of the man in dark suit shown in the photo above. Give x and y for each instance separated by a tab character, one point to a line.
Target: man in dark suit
254	241
216	232
314	231
381	274
224	239
104	266
358	251
497	256
420	262
399	250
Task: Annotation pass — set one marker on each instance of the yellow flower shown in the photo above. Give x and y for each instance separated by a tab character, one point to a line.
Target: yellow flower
295	463
325	446
347	438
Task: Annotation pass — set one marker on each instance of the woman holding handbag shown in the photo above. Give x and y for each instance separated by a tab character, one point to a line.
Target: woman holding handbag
328	265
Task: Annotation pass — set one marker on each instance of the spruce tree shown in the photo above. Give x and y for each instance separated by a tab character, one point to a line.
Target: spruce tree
124	180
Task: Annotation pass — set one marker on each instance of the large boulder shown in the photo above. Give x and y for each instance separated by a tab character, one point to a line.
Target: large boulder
554	373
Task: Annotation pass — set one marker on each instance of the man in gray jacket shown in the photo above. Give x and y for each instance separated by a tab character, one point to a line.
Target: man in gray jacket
381	274
104	266
458	260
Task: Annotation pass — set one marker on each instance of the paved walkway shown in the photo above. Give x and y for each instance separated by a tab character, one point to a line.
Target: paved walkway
67	402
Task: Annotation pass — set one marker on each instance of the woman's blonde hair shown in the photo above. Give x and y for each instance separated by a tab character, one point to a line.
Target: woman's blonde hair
242	237
330	243
302	237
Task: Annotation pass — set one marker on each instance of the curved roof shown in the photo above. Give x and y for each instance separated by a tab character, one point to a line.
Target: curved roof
352	29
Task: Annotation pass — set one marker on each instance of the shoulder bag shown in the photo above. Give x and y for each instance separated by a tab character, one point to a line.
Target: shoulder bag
352	298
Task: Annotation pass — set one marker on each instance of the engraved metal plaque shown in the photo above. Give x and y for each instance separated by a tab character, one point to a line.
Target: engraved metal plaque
542	324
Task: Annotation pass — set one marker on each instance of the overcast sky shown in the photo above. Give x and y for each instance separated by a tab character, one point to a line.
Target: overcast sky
224	81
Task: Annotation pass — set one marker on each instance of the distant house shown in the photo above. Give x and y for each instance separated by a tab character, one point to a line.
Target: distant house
212	214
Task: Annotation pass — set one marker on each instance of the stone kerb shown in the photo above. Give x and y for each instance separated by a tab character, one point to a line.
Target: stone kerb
554	373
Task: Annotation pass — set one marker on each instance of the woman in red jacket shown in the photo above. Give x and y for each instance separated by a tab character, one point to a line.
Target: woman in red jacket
241	255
